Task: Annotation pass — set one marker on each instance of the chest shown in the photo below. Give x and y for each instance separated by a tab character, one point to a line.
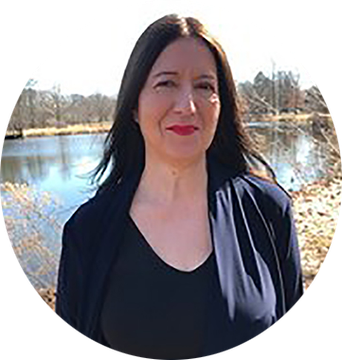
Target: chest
180	236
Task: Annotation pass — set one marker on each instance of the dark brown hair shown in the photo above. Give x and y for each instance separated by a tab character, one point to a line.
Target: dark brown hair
124	150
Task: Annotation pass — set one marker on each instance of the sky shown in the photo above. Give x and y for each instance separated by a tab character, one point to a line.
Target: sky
92	57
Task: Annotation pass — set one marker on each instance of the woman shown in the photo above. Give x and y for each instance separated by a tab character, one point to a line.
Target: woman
183	252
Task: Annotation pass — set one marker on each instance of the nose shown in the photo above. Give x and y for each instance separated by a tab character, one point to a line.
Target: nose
185	102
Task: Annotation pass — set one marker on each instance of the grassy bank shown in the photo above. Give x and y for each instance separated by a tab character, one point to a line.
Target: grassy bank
90	128
316	210
298	118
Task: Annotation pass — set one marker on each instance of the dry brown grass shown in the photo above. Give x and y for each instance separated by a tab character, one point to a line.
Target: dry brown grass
316	211
33	231
90	128
288	117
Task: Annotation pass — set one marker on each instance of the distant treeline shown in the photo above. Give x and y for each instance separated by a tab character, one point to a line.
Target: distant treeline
281	93
264	95
52	108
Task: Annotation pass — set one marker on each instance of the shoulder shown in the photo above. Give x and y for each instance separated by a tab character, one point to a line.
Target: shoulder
263	200
270	193
221	178
254	193
85	221
247	188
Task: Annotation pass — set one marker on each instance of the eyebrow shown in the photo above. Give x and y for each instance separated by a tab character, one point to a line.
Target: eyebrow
208	76
161	73
203	76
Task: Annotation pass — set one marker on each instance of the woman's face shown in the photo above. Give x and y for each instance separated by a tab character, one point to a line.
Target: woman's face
179	105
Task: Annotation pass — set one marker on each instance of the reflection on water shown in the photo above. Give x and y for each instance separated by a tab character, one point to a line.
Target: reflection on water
297	155
57	164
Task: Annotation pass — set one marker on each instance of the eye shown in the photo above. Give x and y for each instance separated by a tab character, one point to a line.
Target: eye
207	86
165	83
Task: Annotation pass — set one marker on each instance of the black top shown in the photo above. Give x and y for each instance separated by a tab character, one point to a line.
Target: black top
156	311
153	309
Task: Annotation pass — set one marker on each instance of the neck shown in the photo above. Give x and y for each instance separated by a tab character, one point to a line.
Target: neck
168	183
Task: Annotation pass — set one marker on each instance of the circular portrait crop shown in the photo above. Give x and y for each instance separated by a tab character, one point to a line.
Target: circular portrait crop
182	216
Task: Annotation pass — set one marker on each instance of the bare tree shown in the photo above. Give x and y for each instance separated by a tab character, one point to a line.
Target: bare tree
102	106
257	96
271	96
314	101
289	92
24	112
55	104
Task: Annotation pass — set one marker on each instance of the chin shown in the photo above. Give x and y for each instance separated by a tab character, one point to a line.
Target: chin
185	155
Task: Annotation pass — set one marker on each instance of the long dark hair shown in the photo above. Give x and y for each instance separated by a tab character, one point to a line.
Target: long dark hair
124	150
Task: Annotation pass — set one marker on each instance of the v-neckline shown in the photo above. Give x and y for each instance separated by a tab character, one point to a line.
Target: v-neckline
197	268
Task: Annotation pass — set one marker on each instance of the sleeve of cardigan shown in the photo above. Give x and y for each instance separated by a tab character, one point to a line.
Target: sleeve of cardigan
69	277
289	256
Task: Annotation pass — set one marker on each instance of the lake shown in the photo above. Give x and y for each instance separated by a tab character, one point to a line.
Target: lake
59	165
56	164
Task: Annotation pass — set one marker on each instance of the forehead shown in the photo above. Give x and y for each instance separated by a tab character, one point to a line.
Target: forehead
185	54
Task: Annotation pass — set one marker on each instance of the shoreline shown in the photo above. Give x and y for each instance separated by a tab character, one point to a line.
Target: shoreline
299	118
96	127
76	129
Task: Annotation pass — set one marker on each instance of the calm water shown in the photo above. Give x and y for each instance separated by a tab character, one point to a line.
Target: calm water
59	165
56	164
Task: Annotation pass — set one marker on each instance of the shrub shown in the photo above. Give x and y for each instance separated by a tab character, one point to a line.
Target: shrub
33	231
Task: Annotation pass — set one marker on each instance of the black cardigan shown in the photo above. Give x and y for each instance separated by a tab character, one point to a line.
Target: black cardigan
252	212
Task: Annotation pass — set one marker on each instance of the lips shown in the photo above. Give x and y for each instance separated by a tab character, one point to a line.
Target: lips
183	130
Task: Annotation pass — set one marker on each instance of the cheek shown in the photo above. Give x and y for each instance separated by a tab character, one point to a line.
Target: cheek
151	108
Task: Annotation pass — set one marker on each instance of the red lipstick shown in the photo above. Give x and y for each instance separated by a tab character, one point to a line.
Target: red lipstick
183	130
